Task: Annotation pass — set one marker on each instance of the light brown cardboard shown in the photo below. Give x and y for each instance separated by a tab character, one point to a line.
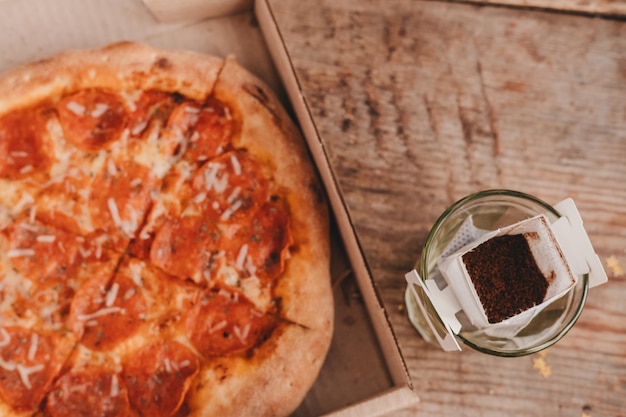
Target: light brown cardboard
401	394
34	29
189	10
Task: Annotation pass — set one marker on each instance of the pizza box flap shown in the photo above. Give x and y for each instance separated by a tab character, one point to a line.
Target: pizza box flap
190	10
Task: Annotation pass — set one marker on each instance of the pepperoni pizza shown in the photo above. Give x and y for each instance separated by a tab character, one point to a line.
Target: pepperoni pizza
163	240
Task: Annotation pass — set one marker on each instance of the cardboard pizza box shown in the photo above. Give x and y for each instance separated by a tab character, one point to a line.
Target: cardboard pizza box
35	29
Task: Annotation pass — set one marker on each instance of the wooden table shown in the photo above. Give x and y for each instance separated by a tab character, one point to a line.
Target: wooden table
420	103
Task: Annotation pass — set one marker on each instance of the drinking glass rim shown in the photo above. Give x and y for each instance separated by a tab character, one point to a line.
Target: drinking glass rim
516	194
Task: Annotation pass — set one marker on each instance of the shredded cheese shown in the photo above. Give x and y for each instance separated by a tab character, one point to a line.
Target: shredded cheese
99	110
242	334
99	313
112	294
139	127
236	165
231	210
129	294
241	256
131	98
6	337
24	201
32	350
211	179
26	169
18	253
29	227
46	238
84	252
32	214
217	327
115	388
233	196
115	213
25	372
7	366
135	273
111	168
199	198
76	108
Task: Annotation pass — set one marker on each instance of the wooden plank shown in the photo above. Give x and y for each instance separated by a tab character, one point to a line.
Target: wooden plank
420	103
596	7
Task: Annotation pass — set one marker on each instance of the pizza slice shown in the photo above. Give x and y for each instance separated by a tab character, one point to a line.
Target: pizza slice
205	135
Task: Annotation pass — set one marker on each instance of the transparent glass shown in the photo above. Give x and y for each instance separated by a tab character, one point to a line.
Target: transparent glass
491	210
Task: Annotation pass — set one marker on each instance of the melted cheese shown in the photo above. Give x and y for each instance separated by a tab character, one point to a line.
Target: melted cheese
5	337
235	163
111	295
115	388
25	371
76	108
149	154
212	181
101	312
242	333
32	349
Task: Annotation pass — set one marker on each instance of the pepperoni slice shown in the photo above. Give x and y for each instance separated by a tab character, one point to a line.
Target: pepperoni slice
230	186
212	133
60	203
186	247
103	314
42	253
55	263
91	392
92	119
22	145
122	198
222	323
29	361
259	247
179	125
150	106
158	377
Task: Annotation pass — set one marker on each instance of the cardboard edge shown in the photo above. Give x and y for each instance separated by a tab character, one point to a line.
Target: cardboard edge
385	403
192	10
386	338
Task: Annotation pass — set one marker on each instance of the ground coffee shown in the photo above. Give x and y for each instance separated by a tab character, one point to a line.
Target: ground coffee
505	276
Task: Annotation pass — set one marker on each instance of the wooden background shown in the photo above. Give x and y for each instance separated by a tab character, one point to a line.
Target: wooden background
419	103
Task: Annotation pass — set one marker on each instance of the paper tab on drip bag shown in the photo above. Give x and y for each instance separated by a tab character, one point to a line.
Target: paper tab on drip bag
504	278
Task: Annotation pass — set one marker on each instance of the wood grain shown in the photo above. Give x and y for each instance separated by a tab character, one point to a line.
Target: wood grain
598	7
420	103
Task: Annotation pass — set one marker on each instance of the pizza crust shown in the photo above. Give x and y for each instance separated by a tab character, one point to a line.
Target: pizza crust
272	379
269	134
120	66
